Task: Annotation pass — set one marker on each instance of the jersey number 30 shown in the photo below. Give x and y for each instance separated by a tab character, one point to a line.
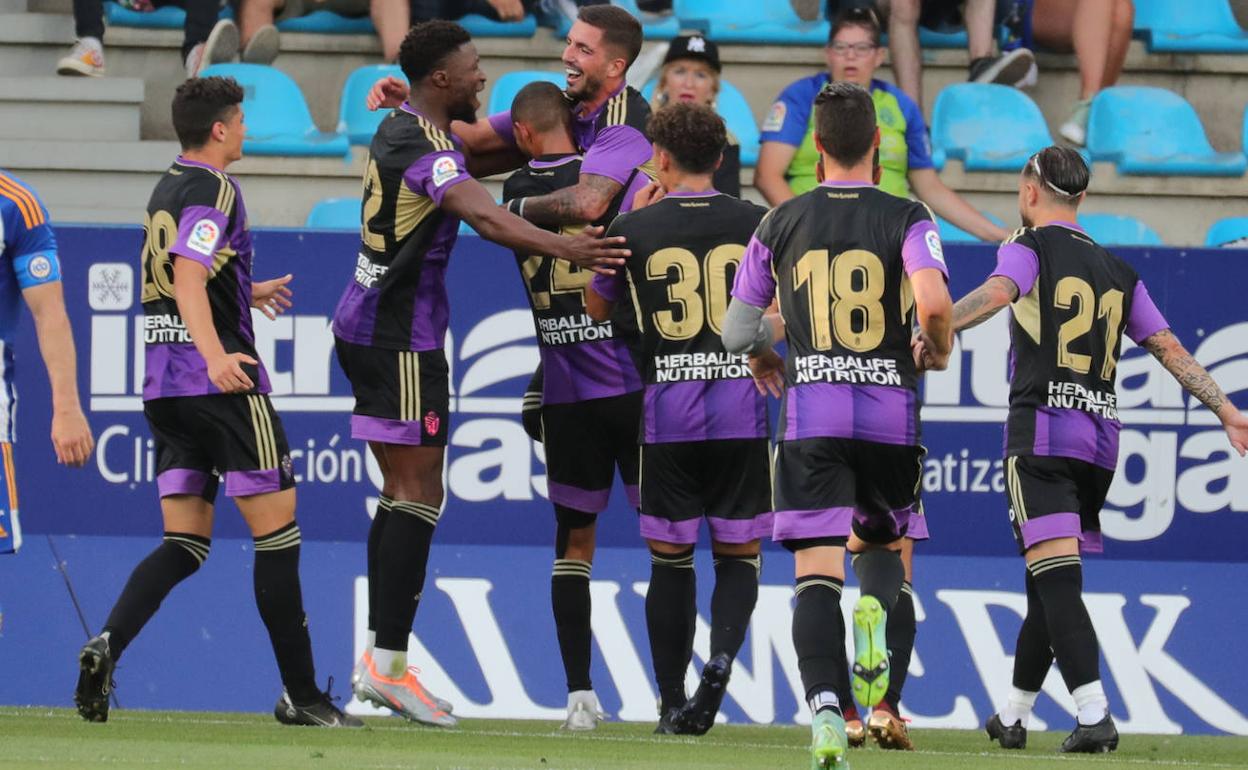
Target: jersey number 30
700	290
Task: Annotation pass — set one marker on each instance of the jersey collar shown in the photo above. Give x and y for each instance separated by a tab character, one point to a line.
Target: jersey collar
845	183
691	194
591	117
1069	226
550	161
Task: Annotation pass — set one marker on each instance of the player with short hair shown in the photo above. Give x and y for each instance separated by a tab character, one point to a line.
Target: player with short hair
31	268
852	266
704	429
588	392
205	397
1071	303
390	328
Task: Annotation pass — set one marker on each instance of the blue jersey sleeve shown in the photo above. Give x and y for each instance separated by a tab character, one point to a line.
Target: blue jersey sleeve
29	242
789	117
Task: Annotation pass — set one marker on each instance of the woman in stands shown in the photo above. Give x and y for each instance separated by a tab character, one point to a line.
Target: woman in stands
690	73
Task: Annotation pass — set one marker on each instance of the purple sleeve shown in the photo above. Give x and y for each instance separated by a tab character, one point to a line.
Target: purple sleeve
1145	320
501	123
616	152
922	250
755	283
1018	263
640	180
609	287
436	173
200	232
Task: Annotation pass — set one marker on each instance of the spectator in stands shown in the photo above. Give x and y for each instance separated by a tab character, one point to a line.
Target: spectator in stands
393	18
690	73
1099	32
787	158
205	38
1015	67
259	40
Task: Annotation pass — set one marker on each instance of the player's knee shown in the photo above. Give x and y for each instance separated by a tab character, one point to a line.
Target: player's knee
575	534
1124	16
664	548
735	550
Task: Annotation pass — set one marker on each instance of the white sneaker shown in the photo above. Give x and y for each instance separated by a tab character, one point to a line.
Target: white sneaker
263	46
583	711
221	46
85	58
1075	129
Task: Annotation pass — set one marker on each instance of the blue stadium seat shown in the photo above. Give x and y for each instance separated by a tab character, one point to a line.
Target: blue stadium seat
277	117
988	127
1119	230
735	111
335	214
750	21
165	17
355	120
951	233
328	23
1203	26
1227	230
653	26
1154	131
480	26
507	86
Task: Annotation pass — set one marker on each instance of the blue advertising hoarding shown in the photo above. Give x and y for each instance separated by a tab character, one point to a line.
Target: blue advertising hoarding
1174	520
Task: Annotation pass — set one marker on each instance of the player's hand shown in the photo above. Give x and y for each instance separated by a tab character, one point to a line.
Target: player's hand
226	372
388	93
588	249
651	193
71	437
768	371
508	10
924	358
1236	426
272	297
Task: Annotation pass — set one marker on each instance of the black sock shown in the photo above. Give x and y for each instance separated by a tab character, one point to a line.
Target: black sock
374	540
280	601
899	632
671	612
402	557
732	602
569	599
1033	654
880	574
173	561
819	638
1059	583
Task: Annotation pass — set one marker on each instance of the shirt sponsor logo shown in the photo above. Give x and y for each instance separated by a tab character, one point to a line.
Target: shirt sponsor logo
444	170
571	329
158	329
1072	395
775	118
40	267
367	272
203	238
846	369
685	367
934	247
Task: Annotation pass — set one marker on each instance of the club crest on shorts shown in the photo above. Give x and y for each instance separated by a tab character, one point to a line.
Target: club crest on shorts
432	423
288	467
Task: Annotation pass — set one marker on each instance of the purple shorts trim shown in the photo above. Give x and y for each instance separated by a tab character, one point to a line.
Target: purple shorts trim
657	528
386	431
802	525
918	527
180	481
633	493
1050	527
244	483
722	530
1091	542
583	500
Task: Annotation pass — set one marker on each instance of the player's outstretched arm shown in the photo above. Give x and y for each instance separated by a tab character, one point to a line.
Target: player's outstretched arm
984	302
225	370
934	309
71	435
597	306
387	93
272	297
585	201
1167	349
470	201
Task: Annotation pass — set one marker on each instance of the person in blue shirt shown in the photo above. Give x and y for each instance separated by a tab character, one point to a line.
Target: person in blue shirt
30	268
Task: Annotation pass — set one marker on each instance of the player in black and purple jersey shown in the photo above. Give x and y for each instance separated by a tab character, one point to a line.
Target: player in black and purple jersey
588	391
390	326
205	399
1072	301
852	267
704	428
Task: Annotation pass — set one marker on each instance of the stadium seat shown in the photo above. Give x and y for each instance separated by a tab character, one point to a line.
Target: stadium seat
335	214
165	17
277	117
735	111
951	233
653	26
328	23
355	120
1148	130
988	127
1205	26
480	26
750	21
507	86
1119	230
1227	230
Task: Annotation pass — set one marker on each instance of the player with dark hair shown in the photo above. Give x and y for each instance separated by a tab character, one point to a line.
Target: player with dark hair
390	328
205	399
1072	301
704	430
852	266
30	267
588	392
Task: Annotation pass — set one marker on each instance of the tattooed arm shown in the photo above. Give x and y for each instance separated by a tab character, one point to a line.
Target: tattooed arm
585	201
984	302
1167	349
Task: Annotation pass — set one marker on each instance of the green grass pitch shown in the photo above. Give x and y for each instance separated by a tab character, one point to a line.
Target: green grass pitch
57	738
